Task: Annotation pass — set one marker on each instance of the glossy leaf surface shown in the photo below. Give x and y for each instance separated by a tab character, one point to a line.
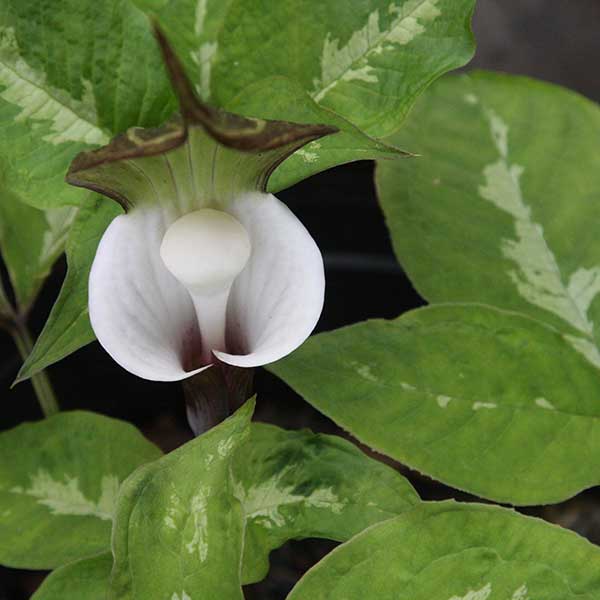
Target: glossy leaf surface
59	480
484	400
457	552
85	579
297	484
179	529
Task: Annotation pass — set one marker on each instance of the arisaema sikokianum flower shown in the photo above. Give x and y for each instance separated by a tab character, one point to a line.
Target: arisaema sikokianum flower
204	267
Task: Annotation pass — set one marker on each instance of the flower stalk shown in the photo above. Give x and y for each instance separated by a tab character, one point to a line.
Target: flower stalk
206	275
213	395
41	382
15	325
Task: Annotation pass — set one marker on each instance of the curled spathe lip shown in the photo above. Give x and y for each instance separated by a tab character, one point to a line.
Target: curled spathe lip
146	320
141	314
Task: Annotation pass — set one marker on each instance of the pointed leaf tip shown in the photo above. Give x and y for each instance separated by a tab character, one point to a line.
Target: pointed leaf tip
271	142
234	131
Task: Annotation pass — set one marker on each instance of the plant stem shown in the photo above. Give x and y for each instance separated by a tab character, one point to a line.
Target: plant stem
6	310
40	381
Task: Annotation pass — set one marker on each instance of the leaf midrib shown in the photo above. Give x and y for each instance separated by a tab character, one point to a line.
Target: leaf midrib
323	90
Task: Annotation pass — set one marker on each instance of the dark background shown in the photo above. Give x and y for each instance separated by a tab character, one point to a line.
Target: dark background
554	40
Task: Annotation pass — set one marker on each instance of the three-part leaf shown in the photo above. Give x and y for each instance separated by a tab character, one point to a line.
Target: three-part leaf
59	480
458	552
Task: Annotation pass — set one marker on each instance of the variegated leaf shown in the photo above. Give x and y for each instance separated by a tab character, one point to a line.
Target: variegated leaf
59	480
503	208
296	484
367	63
179	529
31	240
71	75
457	552
485	400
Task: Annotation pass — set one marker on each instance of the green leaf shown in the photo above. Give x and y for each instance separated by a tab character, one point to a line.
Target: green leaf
295	484
282	98
71	75
31	240
68	327
460	552
193	26
85	579
178	530
484	400
58	485
490	214
368	64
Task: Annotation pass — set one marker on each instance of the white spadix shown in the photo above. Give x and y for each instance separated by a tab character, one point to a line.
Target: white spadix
205	251
204	266
249	279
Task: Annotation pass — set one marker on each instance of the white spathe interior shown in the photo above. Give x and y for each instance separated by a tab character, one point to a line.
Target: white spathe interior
277	299
151	324
205	251
140	313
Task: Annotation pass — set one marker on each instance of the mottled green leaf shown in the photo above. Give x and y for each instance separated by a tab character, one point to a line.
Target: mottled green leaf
85	579
72	74
193	26
179	529
503	208
58	485
68	327
296	484
282	98
485	400
31	240
367	64
457	552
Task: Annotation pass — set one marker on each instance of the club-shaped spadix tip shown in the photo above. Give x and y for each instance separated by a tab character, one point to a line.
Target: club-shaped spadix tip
206	250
